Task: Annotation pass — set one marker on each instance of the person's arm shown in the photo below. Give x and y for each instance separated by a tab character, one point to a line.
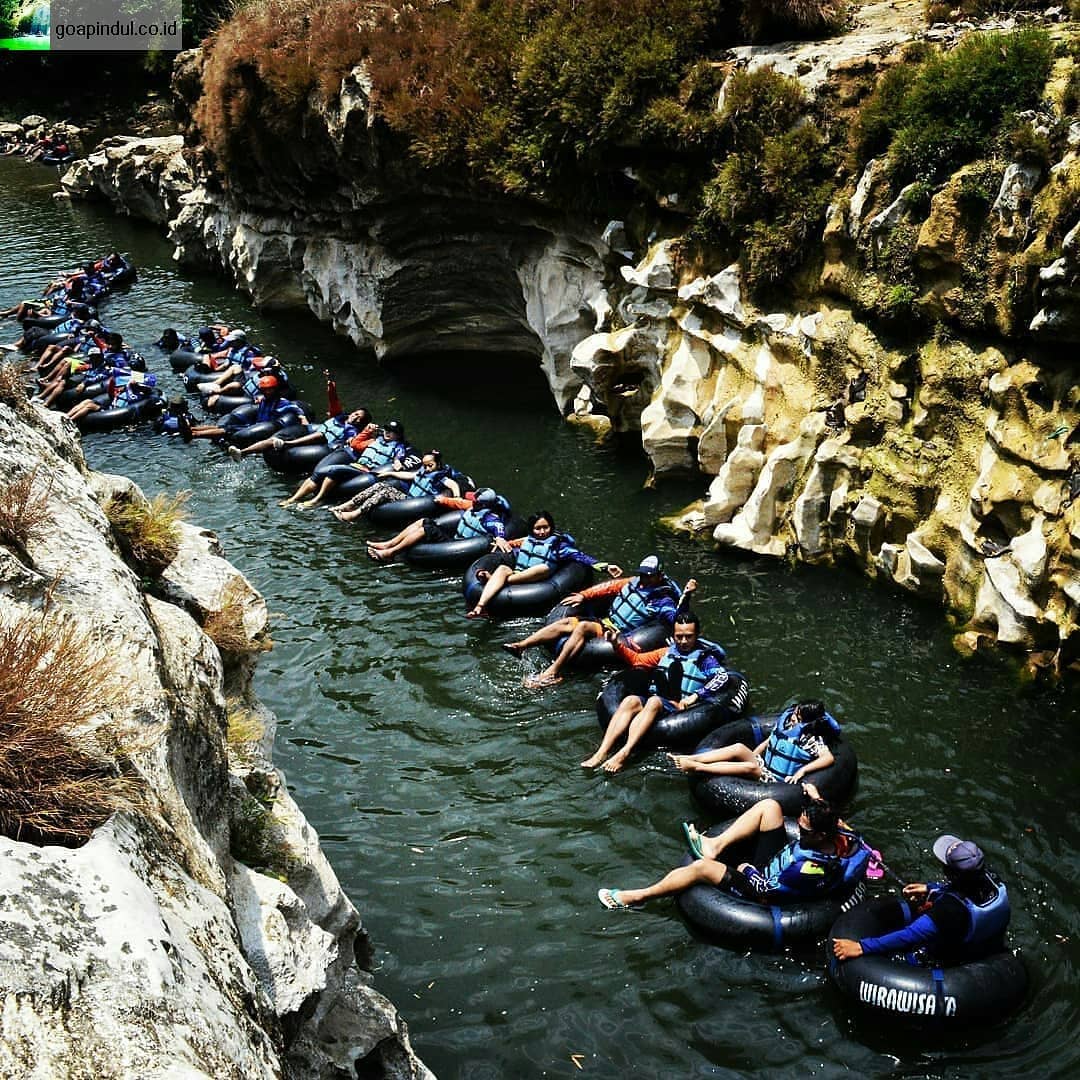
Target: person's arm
823	760
717	680
333	403
452	486
452	502
604	588
638	659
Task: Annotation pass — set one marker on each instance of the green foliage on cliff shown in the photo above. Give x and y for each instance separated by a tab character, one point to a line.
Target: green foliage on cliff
773	186
934	117
549	98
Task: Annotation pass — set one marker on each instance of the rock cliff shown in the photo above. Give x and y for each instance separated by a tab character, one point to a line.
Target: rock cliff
907	408
200	932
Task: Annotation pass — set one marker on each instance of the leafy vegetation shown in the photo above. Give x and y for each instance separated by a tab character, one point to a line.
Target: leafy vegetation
772	189
58	779
146	532
934	117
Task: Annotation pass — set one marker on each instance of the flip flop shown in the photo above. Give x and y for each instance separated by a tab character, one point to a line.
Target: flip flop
693	840
610	899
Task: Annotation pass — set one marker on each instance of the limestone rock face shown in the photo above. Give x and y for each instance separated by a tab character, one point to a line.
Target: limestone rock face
153	950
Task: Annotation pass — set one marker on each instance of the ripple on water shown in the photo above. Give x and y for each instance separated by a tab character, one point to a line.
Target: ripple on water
452	805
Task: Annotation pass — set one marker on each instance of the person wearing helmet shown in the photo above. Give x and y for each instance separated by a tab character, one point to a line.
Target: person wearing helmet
334	432
484	513
272	407
243	378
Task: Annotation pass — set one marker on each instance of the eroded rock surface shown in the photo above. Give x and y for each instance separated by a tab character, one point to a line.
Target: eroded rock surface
203	933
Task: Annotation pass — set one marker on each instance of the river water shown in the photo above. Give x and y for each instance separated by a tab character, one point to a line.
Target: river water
450	801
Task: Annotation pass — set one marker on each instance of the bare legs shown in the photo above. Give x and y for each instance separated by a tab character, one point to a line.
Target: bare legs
385	550
505	575
578	633
734	760
761	817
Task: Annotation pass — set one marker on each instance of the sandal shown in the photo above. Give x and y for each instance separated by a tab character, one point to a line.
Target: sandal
610	899
693	840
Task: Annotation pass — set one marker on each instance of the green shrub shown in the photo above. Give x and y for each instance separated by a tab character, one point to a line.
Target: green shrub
772	190
978	188
146	532
940	115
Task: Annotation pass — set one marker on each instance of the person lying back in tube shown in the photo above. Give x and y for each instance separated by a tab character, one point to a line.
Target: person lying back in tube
429	480
649	595
826	858
961	919
533	558
796	747
484	514
689	671
334	432
271	406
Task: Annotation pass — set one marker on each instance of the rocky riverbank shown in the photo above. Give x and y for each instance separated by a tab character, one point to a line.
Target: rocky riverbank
200	931
907	409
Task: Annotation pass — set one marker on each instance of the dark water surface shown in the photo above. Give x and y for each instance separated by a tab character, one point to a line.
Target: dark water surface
451	803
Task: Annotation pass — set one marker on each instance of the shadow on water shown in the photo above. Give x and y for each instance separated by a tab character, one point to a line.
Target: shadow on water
451	803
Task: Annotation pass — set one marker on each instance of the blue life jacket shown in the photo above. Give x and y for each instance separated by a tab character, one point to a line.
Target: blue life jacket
693	676
337	429
68	326
823	874
381	453
474	524
988	921
279	410
633	605
783	755
427	483
250	385
533	552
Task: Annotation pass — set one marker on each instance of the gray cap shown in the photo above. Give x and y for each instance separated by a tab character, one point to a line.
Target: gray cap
959	855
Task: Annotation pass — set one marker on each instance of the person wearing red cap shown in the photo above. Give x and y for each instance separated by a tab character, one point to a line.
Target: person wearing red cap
963	918
272	406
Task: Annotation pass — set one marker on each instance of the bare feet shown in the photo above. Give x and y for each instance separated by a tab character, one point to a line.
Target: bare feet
541	680
592	762
477	613
309	505
683	762
514	647
615	763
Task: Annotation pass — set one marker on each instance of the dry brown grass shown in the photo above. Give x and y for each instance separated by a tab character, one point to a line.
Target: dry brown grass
225	627
147	533
244	728
58	781
24	508
13	385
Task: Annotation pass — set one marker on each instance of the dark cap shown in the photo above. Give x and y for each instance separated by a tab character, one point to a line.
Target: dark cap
650	565
960	855
396	426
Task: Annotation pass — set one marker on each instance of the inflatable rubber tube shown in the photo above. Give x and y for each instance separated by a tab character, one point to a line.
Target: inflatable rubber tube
978	992
598	653
182	359
42	341
353	485
110	419
296	460
457	554
245	436
678	729
243	416
749	924
225	403
398	514
42	322
733	794
72	395
193	377
531	598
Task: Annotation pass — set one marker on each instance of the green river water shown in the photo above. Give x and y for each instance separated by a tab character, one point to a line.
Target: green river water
450	801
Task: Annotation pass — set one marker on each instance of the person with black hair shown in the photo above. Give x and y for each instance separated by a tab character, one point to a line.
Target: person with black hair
649	595
430	479
796	746
484	513
688	671
814	865
961	919
534	557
